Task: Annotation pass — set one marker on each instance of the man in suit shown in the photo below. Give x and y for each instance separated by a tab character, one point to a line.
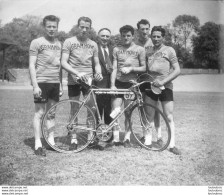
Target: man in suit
105	53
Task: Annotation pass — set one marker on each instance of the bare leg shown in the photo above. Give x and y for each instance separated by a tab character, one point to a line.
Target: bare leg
157	121
39	112
73	110
127	122
149	115
50	123
168	111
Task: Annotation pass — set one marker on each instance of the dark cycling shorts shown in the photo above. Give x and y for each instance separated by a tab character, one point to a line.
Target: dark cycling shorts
122	85
166	95
76	89
49	91
143	87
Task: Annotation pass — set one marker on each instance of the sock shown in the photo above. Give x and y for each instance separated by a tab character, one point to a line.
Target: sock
74	140
148	139
148	129
51	138
127	135
116	133
90	136
159	134
51	141
38	144
148	134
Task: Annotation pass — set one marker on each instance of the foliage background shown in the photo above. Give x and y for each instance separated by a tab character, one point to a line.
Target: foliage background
196	46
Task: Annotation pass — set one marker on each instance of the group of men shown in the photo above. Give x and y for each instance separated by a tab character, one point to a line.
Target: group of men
112	67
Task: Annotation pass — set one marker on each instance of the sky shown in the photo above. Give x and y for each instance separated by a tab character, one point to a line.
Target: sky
113	14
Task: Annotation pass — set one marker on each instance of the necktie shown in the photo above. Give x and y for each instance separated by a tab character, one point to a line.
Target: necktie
107	60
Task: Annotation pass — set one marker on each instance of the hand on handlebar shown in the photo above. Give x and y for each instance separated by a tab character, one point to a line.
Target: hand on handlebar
157	83
113	87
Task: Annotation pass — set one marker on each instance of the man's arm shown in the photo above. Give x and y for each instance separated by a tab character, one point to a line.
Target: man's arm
113	74
174	74
61	85
126	70
98	73
66	66
36	89
140	68
176	69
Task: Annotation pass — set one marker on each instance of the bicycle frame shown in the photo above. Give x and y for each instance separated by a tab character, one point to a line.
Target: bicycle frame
83	122
93	92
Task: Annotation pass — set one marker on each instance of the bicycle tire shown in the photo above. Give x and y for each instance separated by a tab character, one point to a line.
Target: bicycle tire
60	121
140	120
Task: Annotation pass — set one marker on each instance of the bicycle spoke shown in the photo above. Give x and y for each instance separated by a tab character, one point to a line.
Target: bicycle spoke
69	127
144	130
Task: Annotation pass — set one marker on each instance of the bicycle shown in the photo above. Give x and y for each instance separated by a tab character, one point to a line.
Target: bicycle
71	117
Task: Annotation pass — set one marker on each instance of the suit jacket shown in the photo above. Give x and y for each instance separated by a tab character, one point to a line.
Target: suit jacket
105	83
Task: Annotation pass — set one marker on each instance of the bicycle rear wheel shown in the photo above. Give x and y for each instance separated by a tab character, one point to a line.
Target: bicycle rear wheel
65	122
143	128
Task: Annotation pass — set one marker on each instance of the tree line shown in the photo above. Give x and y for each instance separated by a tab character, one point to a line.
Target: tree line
196	46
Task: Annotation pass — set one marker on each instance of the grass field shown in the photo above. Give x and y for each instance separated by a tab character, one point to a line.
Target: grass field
199	134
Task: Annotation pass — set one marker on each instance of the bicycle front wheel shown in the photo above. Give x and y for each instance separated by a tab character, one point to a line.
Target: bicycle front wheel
67	127
149	133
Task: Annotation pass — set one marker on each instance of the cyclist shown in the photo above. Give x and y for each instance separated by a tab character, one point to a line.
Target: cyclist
78	53
128	60
44	67
164	67
145	41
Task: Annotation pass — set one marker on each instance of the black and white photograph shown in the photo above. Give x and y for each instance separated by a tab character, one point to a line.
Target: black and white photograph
111	96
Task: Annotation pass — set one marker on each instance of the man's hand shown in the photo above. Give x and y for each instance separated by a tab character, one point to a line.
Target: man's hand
61	91
98	76
113	87
126	70
158	83
37	92
83	77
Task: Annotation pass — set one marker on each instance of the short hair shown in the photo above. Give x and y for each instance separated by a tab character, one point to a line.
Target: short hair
127	28
51	18
104	29
143	21
85	19
160	29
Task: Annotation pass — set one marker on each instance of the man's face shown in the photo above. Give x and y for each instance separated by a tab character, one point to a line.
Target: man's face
51	28
84	28
127	38
104	36
144	31
157	38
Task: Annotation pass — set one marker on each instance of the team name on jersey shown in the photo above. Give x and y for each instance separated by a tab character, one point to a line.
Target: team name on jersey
148	48
130	53
81	45
49	47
